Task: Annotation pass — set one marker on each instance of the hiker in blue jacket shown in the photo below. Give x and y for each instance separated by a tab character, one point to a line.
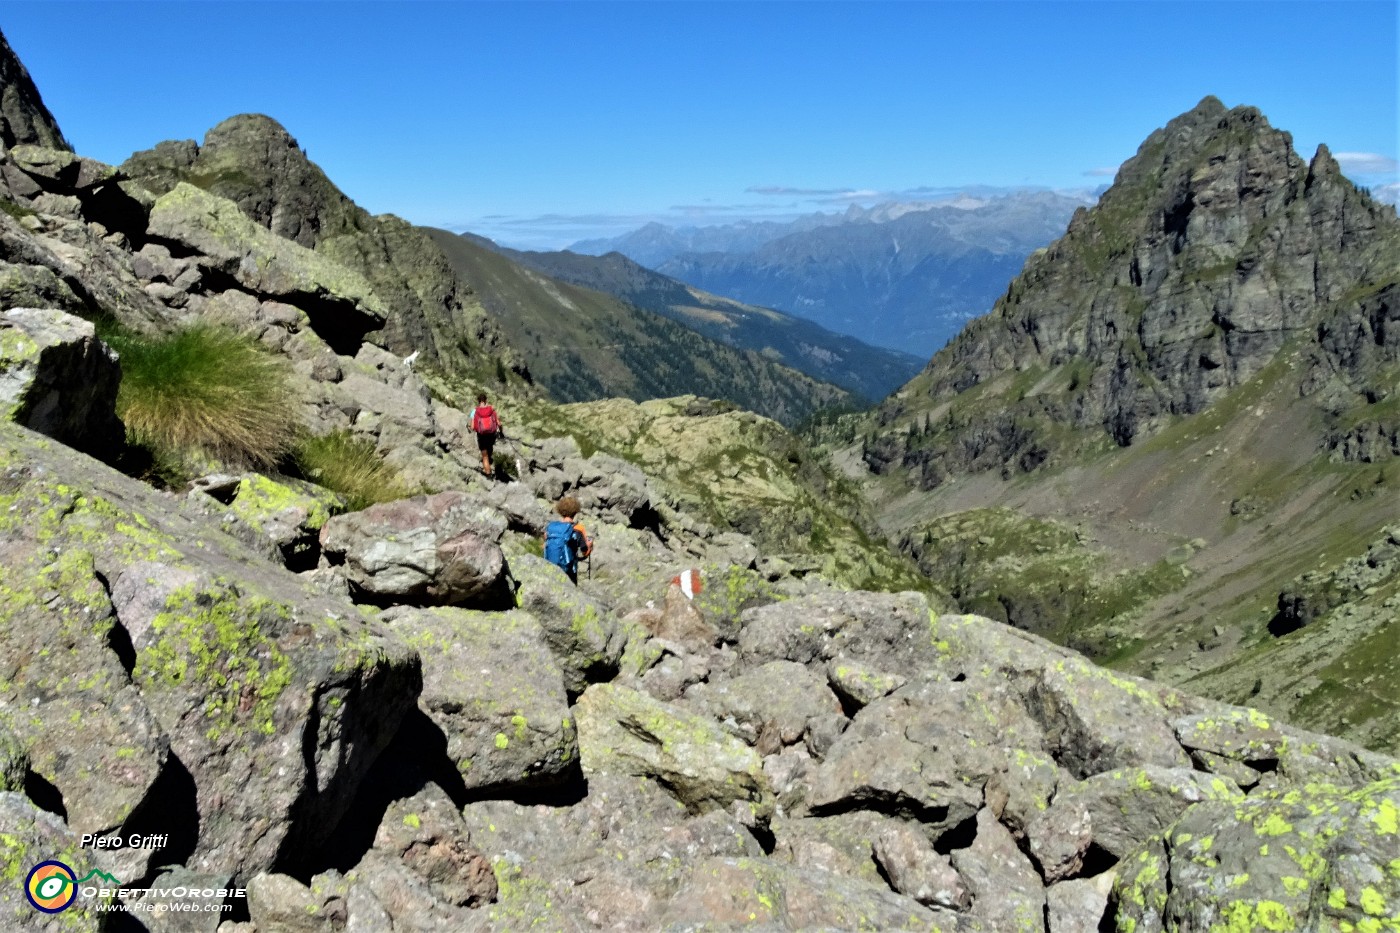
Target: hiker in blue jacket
565	540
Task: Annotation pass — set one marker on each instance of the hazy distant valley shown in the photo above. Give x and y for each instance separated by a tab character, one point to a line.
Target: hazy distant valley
904	276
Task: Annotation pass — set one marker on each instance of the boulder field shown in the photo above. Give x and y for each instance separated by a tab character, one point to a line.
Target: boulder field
409	721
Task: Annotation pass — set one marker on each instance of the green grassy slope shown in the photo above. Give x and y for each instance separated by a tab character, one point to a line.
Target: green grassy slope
583	345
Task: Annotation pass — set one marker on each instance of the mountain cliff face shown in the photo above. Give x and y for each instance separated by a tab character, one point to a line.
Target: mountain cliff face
23	116
1215	249
1181	416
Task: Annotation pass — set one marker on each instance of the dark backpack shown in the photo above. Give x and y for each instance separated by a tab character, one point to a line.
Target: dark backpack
484	421
561	544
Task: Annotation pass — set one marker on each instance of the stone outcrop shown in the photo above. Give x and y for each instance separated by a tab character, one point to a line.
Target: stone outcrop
342	305
205	689
57	378
23	116
253	162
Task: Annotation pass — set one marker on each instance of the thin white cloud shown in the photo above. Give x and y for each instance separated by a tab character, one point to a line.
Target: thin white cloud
1387	194
1102	172
1366	163
785	191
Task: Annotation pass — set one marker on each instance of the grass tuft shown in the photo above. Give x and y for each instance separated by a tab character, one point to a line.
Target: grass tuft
205	390
350	466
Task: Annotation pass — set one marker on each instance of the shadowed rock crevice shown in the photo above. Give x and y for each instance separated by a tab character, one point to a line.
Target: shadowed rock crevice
118	638
170	807
961	836
416	757
44	794
892	804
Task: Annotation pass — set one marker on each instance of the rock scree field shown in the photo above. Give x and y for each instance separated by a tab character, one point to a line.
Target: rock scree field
322	679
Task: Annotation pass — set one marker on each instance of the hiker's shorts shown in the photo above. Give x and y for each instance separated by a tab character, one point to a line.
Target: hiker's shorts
486	441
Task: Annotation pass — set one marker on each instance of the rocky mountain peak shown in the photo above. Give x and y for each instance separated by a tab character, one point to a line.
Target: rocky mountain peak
1215	247
253	161
23	116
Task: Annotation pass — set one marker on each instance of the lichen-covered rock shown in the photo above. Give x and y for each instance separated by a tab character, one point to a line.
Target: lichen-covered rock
586	638
229	243
60	169
57	378
287	514
1099	721
28	837
780	697
1116	812
1315	858
241	681
64	691
14	762
427	835
493	688
264	702
428	550
622	731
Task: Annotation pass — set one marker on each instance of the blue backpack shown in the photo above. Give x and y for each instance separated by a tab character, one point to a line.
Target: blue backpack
561	544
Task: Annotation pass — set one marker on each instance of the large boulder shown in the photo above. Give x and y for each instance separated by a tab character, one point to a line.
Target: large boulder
220	699
1327	859
492	687
623	731
428	550
57	378
584	635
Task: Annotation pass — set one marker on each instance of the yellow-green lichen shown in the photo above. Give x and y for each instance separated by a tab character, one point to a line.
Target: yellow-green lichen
211	641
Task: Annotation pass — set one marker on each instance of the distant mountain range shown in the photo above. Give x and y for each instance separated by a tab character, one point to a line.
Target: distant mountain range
901	275
872	372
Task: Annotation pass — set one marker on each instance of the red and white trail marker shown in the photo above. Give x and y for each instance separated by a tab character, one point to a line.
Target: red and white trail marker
689	581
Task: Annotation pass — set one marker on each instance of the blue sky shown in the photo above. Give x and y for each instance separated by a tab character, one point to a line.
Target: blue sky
541	123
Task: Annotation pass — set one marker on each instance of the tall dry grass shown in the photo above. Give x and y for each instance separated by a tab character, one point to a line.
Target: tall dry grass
206	390
350	466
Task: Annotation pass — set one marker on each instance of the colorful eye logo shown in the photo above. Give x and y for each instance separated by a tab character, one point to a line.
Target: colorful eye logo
51	887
